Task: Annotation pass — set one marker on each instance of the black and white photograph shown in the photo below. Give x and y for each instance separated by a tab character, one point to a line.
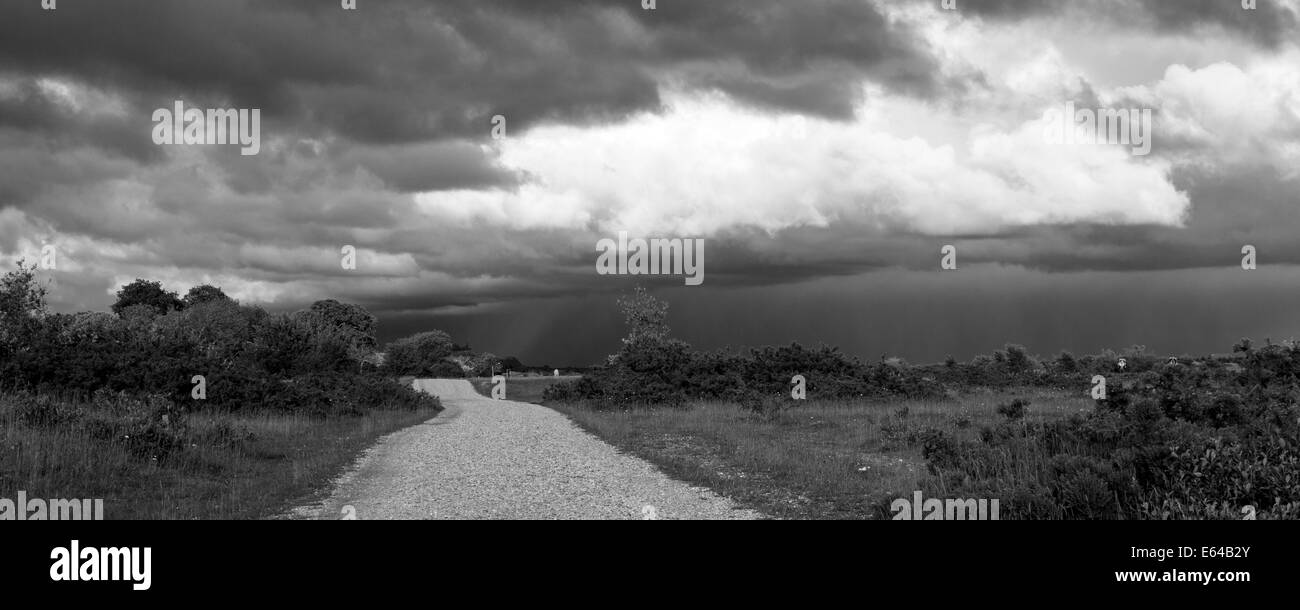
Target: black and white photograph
651	260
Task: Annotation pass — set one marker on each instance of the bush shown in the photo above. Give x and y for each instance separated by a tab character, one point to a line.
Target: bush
348	323
445	368
44	411
149	294
1181	443
150	426
249	359
418	354
1013	410
647	372
328	395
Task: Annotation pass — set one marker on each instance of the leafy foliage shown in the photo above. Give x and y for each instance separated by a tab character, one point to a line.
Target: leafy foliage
250	359
145	292
22	306
419	355
355	324
21	295
205	293
653	369
646	317
1182	442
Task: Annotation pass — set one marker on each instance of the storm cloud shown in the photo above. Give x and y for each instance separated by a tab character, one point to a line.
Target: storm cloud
812	144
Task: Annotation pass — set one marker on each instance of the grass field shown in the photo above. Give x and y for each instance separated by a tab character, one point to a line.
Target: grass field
816	460
263	464
519	388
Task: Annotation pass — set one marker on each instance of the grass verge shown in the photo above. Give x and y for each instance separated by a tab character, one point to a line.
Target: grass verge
816	460
521	389
220	466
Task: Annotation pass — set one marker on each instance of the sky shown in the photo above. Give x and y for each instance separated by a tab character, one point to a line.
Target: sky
475	152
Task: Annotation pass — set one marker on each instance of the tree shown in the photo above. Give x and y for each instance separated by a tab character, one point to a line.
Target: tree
353	321
648	369
418	354
1017	358
512	363
219	328
646	316
22	302
205	293
93	326
21	296
482	364
152	294
1066	363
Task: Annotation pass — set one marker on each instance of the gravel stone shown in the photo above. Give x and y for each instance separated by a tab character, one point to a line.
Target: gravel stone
499	459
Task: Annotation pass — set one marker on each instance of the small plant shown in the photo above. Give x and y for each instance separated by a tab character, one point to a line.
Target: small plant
1014	410
963	419
895	436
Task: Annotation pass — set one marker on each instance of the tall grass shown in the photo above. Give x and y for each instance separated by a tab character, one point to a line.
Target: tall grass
813	459
213	466
521	388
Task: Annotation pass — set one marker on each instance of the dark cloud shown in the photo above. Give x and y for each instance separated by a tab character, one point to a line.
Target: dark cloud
362	109
1270	24
920	316
26	107
431	167
406	71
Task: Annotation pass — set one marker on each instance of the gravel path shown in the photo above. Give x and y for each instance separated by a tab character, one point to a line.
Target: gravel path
497	459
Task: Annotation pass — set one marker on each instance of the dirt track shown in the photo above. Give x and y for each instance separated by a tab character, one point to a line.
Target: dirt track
490	459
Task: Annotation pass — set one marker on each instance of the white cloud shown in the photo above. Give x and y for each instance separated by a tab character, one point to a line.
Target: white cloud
1230	114
707	164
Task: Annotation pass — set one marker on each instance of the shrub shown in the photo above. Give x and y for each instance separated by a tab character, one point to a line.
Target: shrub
351	323
45	411
1013	410
250	359
147	293
1181	443
205	293
1065	363
652	369
445	368
940	449
418	354
150	426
